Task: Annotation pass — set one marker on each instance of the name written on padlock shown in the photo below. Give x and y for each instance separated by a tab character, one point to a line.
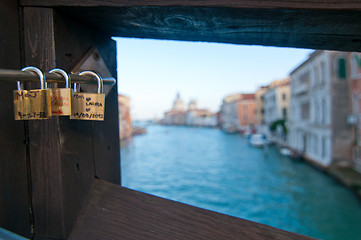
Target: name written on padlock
60	101
88	107
26	94
32	104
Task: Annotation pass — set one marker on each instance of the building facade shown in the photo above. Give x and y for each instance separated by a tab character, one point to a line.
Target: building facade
277	101
125	122
276	109
355	91
237	112
259	111
193	116
246	110
320	104
177	114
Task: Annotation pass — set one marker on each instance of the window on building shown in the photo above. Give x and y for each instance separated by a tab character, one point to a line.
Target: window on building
305	78
315	76
323	111
323	73
342	68
284	113
305	111
324	147
284	96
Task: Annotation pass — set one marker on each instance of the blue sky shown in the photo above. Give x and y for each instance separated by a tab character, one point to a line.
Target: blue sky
151	72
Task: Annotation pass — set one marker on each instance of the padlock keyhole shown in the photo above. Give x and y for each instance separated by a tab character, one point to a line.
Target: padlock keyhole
77	166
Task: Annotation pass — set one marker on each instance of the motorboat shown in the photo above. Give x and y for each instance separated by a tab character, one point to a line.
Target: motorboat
258	140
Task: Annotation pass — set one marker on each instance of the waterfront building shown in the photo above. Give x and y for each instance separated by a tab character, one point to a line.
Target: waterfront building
259	111
192	116
125	122
201	118
320	104
246	110
355	120
276	109
177	114
237	112
228	113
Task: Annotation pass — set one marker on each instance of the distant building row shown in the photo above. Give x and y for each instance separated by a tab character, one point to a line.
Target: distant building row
192	116
316	111
318	105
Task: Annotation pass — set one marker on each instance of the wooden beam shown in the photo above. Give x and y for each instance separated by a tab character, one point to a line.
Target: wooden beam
14	201
314	29
353	5
114	212
66	155
46	174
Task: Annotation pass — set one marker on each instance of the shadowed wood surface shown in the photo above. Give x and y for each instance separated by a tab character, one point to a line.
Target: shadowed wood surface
291	4
114	212
14	204
312	24
65	155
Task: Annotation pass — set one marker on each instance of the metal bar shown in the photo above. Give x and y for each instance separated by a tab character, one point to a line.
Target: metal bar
16	75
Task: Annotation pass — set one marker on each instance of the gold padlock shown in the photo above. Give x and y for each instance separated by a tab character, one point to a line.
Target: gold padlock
32	104
88	106
61	97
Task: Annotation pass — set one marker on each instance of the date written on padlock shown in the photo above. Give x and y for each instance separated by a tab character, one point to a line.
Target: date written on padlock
32	104
88	106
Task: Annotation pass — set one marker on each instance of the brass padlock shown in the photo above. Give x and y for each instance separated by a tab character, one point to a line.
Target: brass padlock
61	97
32	104
88	106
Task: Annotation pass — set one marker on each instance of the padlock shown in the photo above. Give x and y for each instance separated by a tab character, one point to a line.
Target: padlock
61	97
32	104
88	106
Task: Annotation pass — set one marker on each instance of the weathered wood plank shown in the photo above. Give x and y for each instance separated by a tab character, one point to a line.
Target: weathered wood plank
291	4
82	156
65	154
114	212
14	208
14	204
73	40
44	156
302	28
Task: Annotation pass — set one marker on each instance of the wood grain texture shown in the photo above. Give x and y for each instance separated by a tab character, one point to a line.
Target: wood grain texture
47	197
106	134
315	29
82	156
290	4
65	154
79	39
14	209
114	212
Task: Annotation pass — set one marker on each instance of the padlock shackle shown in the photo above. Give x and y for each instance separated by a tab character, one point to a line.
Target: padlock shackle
64	74
97	76
37	71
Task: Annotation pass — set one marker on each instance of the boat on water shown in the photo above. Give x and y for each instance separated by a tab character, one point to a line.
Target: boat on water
285	152
138	131
258	140
291	153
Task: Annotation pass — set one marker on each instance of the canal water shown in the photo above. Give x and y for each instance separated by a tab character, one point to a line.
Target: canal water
221	172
